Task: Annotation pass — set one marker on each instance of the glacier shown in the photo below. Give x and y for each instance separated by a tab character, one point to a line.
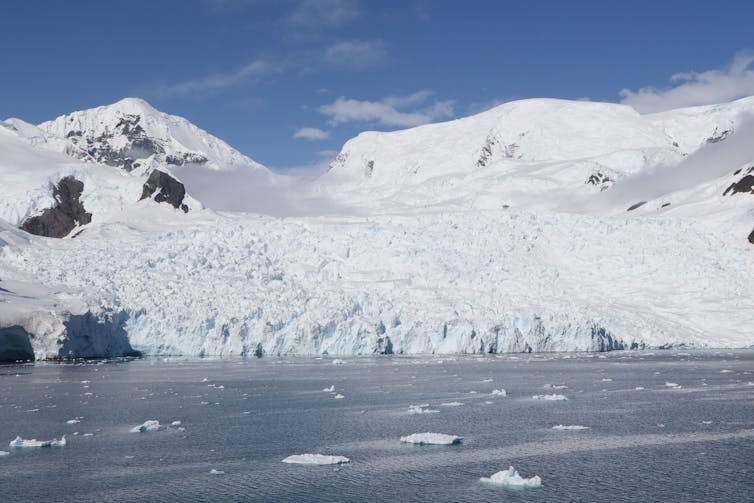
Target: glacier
500	232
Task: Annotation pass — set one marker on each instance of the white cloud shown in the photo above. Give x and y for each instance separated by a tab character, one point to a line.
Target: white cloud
386	111
220	81
356	54
692	88
324	13
311	133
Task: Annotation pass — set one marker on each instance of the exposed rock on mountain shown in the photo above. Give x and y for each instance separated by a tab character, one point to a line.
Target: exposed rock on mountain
67	214
165	188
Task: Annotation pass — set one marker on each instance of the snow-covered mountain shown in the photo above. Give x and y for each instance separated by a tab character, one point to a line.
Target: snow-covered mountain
539	225
132	135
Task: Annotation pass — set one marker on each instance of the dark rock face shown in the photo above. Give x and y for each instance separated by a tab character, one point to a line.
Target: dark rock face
745	184
15	344
751	237
718	136
600	179
637	205
186	158
171	190
68	213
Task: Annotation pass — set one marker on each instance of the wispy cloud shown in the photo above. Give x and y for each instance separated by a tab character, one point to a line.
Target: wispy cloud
317	14
356	54
311	133
692	88
219	81
401	111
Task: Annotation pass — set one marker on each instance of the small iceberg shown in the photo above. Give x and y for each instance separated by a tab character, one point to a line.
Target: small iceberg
555	386
338	396
4	453
316	459
554	396
500	392
672	385
511	478
421	409
330	389
452	404
569	427
431	439
216	472
149	425
19	442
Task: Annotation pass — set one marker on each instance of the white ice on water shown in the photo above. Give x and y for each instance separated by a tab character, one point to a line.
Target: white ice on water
452	404
554	396
511	477
4	453
147	426
316	459
569	427
431	439
19	442
500	392
330	389
421	409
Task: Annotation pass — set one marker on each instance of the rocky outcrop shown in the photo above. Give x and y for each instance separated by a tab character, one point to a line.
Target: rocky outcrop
165	188
751	237
745	184
68	213
636	206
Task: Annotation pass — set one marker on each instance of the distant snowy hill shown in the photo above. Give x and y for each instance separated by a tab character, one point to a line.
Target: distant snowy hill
539	225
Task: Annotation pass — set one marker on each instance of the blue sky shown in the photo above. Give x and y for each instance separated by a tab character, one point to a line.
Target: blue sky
287	82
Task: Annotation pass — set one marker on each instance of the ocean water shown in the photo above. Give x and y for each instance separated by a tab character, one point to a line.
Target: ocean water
694	442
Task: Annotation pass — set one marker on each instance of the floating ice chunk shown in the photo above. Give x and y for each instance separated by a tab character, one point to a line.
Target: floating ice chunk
421	409
149	425
88	434
316	459
500	392
338	396
639	388
451	404
607	379
73	421
431	439
511	478
338	361
672	385
175	423
330	389
4	453
487	402
569	427
726	371
555	386
216	472
205	380
488	380
706	422
19	442
554	396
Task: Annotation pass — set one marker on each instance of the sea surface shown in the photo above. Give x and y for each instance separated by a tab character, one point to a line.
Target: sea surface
647	439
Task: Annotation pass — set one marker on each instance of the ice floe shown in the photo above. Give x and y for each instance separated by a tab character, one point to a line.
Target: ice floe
554	396
431	439
452	404
330	389
338	361
216	472
421	409
672	385
4	453
149	425
555	386
19	442
316	459
338	396
500	392
569	427
73	421
510	477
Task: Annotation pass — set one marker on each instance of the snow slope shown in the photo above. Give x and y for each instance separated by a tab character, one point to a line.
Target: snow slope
505	231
